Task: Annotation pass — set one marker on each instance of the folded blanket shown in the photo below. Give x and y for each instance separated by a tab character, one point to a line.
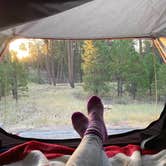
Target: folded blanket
42	154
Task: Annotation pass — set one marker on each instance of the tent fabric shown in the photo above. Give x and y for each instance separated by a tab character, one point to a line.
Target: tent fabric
101	19
17	12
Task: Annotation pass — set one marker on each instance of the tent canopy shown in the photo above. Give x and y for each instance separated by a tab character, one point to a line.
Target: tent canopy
99	19
17	12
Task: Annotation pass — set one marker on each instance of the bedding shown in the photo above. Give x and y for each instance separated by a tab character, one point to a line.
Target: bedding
36	153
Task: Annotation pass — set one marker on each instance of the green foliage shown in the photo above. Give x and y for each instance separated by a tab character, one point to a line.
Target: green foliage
13	77
121	51
98	64
119	62
151	66
95	66
5	85
123	56
135	75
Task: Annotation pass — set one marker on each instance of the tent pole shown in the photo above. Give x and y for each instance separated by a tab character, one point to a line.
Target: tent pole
155	79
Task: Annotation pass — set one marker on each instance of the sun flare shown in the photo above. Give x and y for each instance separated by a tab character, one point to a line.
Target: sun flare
20	48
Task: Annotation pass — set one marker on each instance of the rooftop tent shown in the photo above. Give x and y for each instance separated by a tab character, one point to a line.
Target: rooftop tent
97	19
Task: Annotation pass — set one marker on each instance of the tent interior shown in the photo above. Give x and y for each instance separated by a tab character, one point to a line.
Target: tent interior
56	54
45	81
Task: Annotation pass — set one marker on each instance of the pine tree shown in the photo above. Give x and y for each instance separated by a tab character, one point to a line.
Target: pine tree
121	51
13	77
151	66
95	66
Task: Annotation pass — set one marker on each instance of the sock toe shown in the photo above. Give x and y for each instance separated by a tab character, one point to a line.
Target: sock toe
93	102
80	123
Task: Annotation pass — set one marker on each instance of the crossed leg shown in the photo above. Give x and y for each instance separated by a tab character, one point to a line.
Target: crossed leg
94	134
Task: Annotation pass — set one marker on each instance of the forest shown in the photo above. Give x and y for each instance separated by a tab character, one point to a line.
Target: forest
100	65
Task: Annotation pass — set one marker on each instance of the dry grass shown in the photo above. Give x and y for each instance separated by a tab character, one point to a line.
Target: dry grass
48	106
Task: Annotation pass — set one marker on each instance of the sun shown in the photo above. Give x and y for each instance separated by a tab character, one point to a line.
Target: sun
20	48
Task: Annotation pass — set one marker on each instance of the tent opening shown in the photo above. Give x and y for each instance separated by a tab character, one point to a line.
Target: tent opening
42	82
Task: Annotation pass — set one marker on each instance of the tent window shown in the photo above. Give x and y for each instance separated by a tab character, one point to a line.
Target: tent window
42	82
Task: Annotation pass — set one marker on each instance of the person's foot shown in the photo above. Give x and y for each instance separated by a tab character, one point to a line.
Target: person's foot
80	123
96	121
95	108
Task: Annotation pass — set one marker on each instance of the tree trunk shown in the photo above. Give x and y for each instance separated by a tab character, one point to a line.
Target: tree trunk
70	55
52	63
15	87
61	72
0	91
79	61
119	87
38	66
134	90
140	47
48	70
58	73
47	63
150	90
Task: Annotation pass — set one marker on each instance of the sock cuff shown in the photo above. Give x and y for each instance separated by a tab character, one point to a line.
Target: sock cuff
97	128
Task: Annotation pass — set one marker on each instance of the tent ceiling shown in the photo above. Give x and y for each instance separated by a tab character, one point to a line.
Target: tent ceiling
14	12
101	19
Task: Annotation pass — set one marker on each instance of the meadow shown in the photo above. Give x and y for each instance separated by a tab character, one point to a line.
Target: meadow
46	106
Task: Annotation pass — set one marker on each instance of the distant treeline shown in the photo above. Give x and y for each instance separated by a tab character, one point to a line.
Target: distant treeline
132	67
